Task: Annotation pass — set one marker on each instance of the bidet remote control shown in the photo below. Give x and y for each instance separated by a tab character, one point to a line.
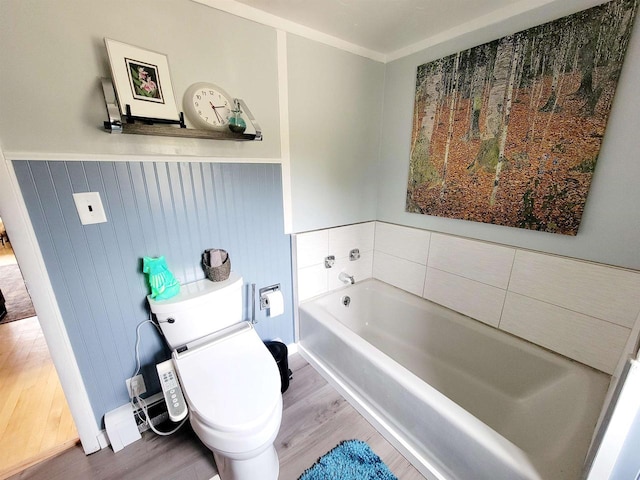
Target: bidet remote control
176	405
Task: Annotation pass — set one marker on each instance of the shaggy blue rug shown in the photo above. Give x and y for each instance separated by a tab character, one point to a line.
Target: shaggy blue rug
350	460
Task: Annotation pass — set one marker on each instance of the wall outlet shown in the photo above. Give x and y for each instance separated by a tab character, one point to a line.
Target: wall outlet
136	386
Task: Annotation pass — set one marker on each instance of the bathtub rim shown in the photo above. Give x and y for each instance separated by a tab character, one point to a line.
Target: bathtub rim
362	406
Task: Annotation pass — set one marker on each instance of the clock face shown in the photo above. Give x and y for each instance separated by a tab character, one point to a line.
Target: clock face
208	106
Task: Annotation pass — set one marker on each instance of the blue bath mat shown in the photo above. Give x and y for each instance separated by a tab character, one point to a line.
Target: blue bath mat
351	460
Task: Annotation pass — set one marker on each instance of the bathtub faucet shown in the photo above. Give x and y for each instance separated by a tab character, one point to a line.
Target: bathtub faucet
345	278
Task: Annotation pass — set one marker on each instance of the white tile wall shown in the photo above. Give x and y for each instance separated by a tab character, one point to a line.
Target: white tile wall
608	293
579	309
399	272
484	262
312	281
474	299
581	337
344	239
311	249
402	242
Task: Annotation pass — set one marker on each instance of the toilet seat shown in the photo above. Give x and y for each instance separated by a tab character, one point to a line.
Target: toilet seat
232	383
240	445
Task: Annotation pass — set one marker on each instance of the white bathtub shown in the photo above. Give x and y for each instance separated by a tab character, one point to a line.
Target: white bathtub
460	399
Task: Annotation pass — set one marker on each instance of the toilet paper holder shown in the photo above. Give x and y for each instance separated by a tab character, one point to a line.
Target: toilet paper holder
264	301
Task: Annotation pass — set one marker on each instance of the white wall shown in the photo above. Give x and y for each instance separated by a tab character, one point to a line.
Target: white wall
53	56
53	107
335	112
610	226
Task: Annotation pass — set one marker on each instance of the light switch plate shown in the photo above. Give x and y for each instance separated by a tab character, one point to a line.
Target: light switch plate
89	207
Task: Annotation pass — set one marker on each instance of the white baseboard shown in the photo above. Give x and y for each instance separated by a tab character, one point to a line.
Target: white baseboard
103	439
292	348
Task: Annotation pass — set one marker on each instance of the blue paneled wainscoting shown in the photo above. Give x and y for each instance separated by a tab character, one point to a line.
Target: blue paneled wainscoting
175	209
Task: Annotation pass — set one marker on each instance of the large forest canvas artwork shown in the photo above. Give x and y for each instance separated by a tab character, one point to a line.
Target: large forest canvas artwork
509	132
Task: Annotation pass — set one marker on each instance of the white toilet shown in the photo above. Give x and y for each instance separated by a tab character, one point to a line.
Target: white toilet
228	376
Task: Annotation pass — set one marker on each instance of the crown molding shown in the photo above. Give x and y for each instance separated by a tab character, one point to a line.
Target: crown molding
264	18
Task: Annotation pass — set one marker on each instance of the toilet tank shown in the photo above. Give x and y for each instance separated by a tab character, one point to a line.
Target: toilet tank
201	308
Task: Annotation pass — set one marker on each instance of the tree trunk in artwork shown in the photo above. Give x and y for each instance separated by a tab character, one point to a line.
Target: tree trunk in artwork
432	89
561	56
453	100
593	54
553	97
537	73
489	151
421	168
475	100
586	63
501	75
559	70
515	60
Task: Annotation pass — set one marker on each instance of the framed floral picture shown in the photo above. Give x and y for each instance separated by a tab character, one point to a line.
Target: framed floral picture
142	81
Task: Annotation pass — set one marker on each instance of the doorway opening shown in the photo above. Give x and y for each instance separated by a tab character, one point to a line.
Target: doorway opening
15	302
35	421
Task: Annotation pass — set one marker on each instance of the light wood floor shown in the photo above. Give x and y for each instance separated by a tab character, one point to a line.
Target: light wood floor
6	255
314	420
35	422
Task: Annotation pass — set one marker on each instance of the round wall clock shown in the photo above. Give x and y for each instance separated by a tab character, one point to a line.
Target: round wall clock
208	106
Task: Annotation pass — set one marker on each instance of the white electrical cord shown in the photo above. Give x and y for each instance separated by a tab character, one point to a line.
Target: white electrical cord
137	352
143	406
138	403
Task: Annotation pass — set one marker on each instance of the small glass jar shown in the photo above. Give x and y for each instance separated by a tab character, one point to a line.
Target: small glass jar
236	122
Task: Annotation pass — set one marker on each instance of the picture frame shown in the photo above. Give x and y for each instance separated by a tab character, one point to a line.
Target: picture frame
142	81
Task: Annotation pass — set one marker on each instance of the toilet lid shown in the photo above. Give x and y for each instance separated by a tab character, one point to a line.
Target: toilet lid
231	383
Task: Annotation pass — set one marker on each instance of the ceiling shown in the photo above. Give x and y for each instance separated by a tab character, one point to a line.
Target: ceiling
383	26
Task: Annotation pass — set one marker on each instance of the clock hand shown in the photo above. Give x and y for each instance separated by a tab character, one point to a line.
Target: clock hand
216	112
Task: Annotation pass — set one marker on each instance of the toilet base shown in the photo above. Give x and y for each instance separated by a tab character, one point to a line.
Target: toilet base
265	466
